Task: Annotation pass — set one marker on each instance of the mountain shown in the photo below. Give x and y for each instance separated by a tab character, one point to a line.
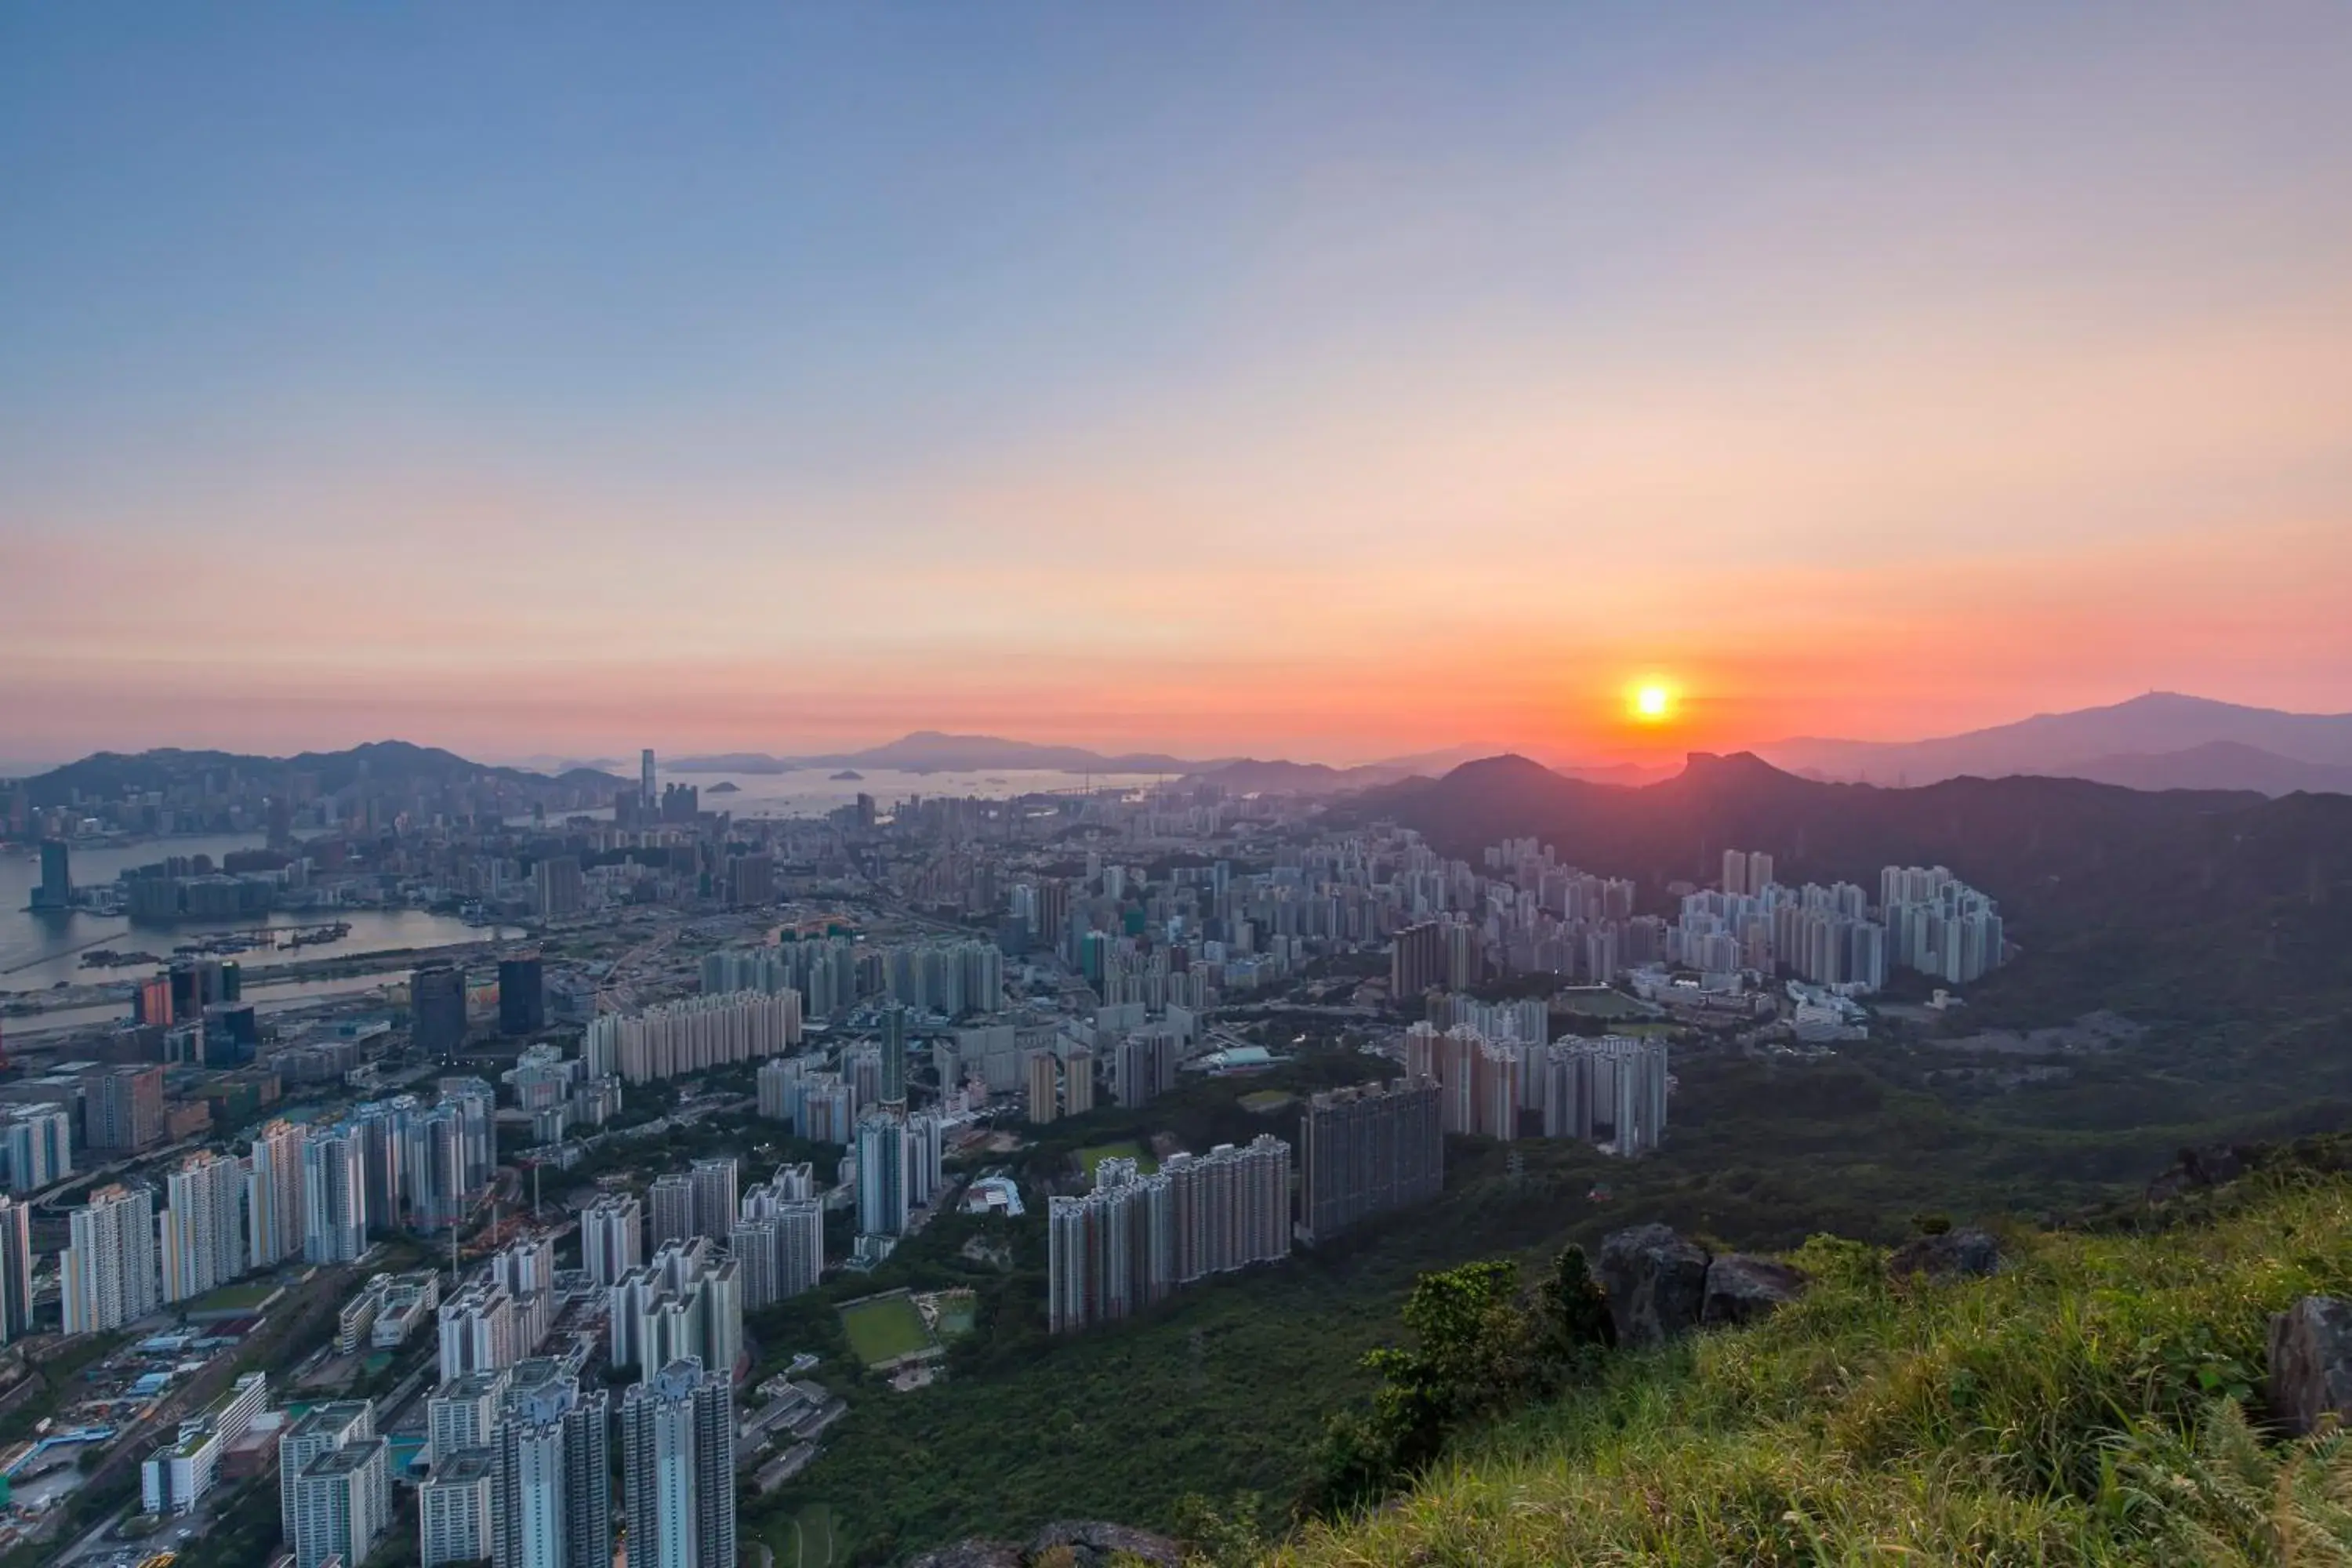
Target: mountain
1248	775
2066	744
109	775
2218	764
932	752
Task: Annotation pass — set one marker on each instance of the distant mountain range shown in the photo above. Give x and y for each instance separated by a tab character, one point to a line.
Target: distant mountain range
2161	741
110	775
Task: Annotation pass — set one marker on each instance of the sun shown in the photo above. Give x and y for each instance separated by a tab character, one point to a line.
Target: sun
1653	701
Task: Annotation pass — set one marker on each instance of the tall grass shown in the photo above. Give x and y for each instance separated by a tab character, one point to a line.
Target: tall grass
2088	1405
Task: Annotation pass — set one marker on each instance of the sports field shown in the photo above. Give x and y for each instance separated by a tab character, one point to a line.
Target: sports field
884	1328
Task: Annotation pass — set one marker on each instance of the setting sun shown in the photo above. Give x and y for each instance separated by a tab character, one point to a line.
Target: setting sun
1653	701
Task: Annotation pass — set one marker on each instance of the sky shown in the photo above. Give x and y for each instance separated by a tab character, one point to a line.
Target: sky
1326	381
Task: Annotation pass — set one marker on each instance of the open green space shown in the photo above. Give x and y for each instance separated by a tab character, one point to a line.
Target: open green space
1600	1002
1127	1150
235	1298
801	1539
1266	1101
958	1314
883	1329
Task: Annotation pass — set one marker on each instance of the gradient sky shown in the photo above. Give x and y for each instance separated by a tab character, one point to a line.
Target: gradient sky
1328	381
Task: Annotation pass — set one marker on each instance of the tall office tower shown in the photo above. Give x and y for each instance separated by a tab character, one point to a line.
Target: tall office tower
612	1237
646	795
17	1269
1760	873
203	1225
454	1508
461	1413
334	1196
894	1056
671	1198
1043	1077
776	1080
1416	960
342	1504
316	1432
274	1207
1735	872
522	994
436	1008
677	1468
56	892
715	1200
1078	1083
107	1273
557	888
551	1479
151	1002
37	1142
122	1109
882	1198
1366	1150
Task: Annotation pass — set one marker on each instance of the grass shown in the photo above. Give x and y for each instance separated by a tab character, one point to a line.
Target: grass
1266	1101
2089	1405
1127	1150
235	1298
801	1539
884	1328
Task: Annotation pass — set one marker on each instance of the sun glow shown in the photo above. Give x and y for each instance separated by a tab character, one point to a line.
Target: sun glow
1653	701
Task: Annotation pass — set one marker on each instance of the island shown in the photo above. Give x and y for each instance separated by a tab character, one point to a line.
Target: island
849	775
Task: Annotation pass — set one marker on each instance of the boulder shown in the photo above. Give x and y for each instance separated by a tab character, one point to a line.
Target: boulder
1656	1283
1953	1255
1092	1544
1744	1289
2311	1364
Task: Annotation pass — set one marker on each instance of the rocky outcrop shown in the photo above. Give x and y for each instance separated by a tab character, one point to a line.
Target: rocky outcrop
1656	1283
1745	1290
1067	1544
1956	1254
2311	1364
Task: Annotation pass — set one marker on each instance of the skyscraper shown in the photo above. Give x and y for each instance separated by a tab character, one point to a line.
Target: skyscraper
334	1196
204	1241
122	1109
316	1432
108	1271
671	1198
522	994
274	1209
893	1057
36	1142
342	1503
1416	960
551	1478
678	1465
15	1269
436	1008
1043	1105
882	1196
612	1237
1365	1150
646	797
454	1509
714	1183
56	892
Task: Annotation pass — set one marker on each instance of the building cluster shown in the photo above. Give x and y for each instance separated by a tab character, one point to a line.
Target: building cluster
1611	1089
1136	1238
834	975
692	1035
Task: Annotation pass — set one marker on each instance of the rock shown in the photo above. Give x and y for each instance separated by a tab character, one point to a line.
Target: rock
1656	1283
1091	1544
1952	1255
2311	1364
971	1554
1744	1289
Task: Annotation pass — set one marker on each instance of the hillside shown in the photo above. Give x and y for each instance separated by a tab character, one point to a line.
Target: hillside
381	763
2095	1402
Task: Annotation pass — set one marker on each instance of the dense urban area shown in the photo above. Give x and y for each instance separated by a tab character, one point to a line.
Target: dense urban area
632	1219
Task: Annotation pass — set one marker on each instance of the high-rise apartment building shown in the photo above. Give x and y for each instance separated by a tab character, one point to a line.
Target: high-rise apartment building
1043	1076
274	1210
1136	1237
108	1273
203	1225
883	1199
454	1509
696	1034
677	1466
461	1412
1077	1082
1611	1090
687	1300
319	1431
715	1200
551	1478
558	888
612	1237
670	1202
342	1504
893	1057
1365	1150
779	1239
482	1329
334	1195
1416	960
37	1144
122	1109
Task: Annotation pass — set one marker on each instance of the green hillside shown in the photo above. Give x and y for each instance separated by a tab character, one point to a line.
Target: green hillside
2098	1400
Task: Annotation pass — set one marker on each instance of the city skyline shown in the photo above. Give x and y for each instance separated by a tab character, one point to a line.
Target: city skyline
1219	381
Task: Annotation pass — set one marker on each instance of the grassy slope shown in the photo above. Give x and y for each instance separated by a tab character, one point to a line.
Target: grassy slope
2073	1409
